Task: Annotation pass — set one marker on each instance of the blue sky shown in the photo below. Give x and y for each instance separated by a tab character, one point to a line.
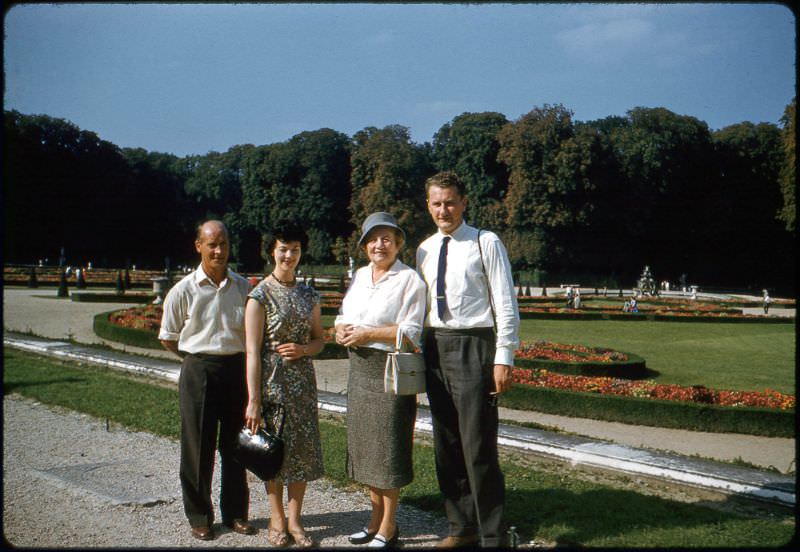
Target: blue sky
192	78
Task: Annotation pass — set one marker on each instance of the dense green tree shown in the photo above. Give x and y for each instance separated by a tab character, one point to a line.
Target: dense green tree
468	146
597	198
305	180
64	187
162	206
788	173
667	163
552	185
742	208
389	173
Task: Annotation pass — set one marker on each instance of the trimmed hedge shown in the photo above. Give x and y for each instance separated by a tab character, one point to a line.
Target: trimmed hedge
652	412
129	336
632	368
634	316
92	297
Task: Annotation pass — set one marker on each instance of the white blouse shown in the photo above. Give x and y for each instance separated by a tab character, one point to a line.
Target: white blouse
398	298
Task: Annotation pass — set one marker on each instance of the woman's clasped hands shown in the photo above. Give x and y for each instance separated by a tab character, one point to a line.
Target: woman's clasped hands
351	336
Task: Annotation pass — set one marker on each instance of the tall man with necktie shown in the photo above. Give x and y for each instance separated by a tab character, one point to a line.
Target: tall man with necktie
471	333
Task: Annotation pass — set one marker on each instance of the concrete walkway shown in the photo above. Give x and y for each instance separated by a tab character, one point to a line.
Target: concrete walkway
680	456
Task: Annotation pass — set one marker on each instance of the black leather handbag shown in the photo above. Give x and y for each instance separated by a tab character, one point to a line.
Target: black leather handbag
262	452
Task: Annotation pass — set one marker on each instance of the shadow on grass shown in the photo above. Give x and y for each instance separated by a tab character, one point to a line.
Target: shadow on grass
12	386
614	517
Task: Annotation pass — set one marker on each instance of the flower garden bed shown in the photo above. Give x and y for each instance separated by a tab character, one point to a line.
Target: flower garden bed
137	326
580	360
552	378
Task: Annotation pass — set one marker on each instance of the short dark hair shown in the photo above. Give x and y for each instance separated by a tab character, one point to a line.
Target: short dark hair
445	179
285	231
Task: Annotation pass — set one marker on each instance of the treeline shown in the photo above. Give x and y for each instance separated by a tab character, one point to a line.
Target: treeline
593	200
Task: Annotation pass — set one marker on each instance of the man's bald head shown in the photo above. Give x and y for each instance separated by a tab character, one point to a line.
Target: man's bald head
211	227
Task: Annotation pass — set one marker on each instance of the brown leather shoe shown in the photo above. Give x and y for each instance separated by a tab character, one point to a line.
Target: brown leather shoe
203	532
456	541
241	526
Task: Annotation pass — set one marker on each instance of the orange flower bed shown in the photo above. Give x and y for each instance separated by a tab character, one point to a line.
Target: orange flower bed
140	318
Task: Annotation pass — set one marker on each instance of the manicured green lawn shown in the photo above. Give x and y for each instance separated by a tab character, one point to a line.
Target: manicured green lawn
744	357
552	504
739	357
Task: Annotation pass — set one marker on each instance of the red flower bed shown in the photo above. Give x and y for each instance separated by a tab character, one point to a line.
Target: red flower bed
545	350
649	389
141	318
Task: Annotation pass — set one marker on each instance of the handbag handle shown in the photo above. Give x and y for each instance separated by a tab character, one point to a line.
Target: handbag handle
398	342
279	429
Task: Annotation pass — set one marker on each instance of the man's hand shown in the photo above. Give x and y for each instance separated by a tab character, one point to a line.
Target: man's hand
502	378
172	346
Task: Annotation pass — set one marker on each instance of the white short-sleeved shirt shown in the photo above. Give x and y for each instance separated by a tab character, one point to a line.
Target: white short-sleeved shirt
398	298
203	317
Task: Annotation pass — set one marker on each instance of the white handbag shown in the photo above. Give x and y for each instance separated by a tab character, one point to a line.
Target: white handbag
405	372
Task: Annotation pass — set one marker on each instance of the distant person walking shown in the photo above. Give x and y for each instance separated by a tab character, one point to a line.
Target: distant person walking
203	323
471	333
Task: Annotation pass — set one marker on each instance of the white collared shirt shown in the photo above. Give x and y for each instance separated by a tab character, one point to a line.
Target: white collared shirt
203	317
397	298
466	290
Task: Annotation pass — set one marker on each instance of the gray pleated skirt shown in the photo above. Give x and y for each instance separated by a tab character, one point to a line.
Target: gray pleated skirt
380	426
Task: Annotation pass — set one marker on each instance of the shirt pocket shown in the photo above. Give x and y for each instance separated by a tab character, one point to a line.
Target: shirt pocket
468	306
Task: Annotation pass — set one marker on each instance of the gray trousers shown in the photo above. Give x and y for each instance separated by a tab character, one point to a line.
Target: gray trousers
212	392
460	368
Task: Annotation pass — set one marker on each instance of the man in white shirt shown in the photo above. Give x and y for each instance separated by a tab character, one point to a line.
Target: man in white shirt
470	337
203	323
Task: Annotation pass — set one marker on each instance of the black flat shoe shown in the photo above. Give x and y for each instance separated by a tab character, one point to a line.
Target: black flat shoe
379	541
362	537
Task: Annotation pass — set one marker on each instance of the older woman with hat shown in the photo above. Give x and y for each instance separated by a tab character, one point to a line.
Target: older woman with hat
385	297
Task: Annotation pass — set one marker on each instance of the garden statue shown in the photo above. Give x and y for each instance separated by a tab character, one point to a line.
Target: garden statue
646	282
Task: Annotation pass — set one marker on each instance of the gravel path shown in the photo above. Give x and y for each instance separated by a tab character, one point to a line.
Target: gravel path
68	482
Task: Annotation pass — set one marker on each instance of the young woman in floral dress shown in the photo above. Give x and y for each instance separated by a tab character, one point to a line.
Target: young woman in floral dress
283	330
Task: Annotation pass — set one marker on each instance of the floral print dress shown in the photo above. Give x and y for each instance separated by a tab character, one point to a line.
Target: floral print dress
291	383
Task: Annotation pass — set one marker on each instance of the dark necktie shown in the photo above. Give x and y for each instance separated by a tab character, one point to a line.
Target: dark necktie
441	300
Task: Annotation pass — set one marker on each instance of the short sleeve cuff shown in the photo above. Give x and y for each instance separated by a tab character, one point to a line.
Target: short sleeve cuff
164	335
